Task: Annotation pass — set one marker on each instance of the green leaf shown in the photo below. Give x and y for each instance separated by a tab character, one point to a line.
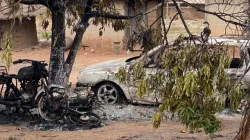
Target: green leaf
156	120
211	135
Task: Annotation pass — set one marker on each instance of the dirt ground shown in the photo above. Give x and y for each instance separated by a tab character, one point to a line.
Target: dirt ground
124	131
87	57
113	130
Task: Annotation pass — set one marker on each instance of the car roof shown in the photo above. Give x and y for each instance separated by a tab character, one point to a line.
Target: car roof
211	40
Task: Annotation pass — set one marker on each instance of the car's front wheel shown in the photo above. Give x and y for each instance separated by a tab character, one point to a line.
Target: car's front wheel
107	93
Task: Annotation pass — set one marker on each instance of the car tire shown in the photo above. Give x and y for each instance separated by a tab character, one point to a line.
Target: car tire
108	93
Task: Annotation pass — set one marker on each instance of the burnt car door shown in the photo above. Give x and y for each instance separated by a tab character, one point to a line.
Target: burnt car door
150	66
238	69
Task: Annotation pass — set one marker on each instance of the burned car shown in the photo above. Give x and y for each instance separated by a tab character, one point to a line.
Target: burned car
101	77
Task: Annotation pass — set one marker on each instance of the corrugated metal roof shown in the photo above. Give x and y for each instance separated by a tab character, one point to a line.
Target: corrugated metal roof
24	11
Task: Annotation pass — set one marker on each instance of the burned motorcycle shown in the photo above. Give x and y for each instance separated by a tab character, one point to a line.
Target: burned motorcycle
81	107
20	91
76	106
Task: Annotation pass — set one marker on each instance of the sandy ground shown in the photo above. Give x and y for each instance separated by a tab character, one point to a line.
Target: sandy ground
114	130
124	131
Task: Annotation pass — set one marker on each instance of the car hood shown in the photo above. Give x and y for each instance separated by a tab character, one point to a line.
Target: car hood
107	65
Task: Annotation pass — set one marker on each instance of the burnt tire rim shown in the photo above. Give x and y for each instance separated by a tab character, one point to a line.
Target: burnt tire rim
93	119
108	94
52	112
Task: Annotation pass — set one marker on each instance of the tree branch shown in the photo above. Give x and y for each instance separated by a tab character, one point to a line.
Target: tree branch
76	2
170	23
78	38
215	14
112	16
32	2
95	14
163	22
181	16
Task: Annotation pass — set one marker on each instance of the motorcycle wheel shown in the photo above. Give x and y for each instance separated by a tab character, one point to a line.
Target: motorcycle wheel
86	119
53	110
10	110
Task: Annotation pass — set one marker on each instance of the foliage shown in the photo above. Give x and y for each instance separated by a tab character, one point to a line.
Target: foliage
7	49
103	7
12	138
148	38
46	35
14	11
191	81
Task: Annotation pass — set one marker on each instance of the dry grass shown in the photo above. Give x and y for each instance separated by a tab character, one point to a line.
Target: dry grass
39	28
177	28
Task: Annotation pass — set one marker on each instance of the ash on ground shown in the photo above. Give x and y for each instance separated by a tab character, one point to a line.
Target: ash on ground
127	112
124	113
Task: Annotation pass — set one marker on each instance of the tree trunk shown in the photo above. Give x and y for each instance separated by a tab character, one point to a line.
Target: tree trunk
245	124
83	25
60	70
245	128
56	68
74	48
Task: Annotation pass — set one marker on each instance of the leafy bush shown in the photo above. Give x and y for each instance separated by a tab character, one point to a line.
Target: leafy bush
190	80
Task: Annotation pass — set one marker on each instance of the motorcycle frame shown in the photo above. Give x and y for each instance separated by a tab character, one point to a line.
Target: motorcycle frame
7	82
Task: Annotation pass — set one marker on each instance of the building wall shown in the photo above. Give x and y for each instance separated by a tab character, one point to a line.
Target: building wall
188	12
91	36
218	26
153	16
24	35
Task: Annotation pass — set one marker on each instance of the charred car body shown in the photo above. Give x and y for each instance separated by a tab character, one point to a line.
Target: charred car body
101	77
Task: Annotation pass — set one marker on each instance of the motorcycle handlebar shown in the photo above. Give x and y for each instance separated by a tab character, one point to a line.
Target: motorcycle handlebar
17	61
28	60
